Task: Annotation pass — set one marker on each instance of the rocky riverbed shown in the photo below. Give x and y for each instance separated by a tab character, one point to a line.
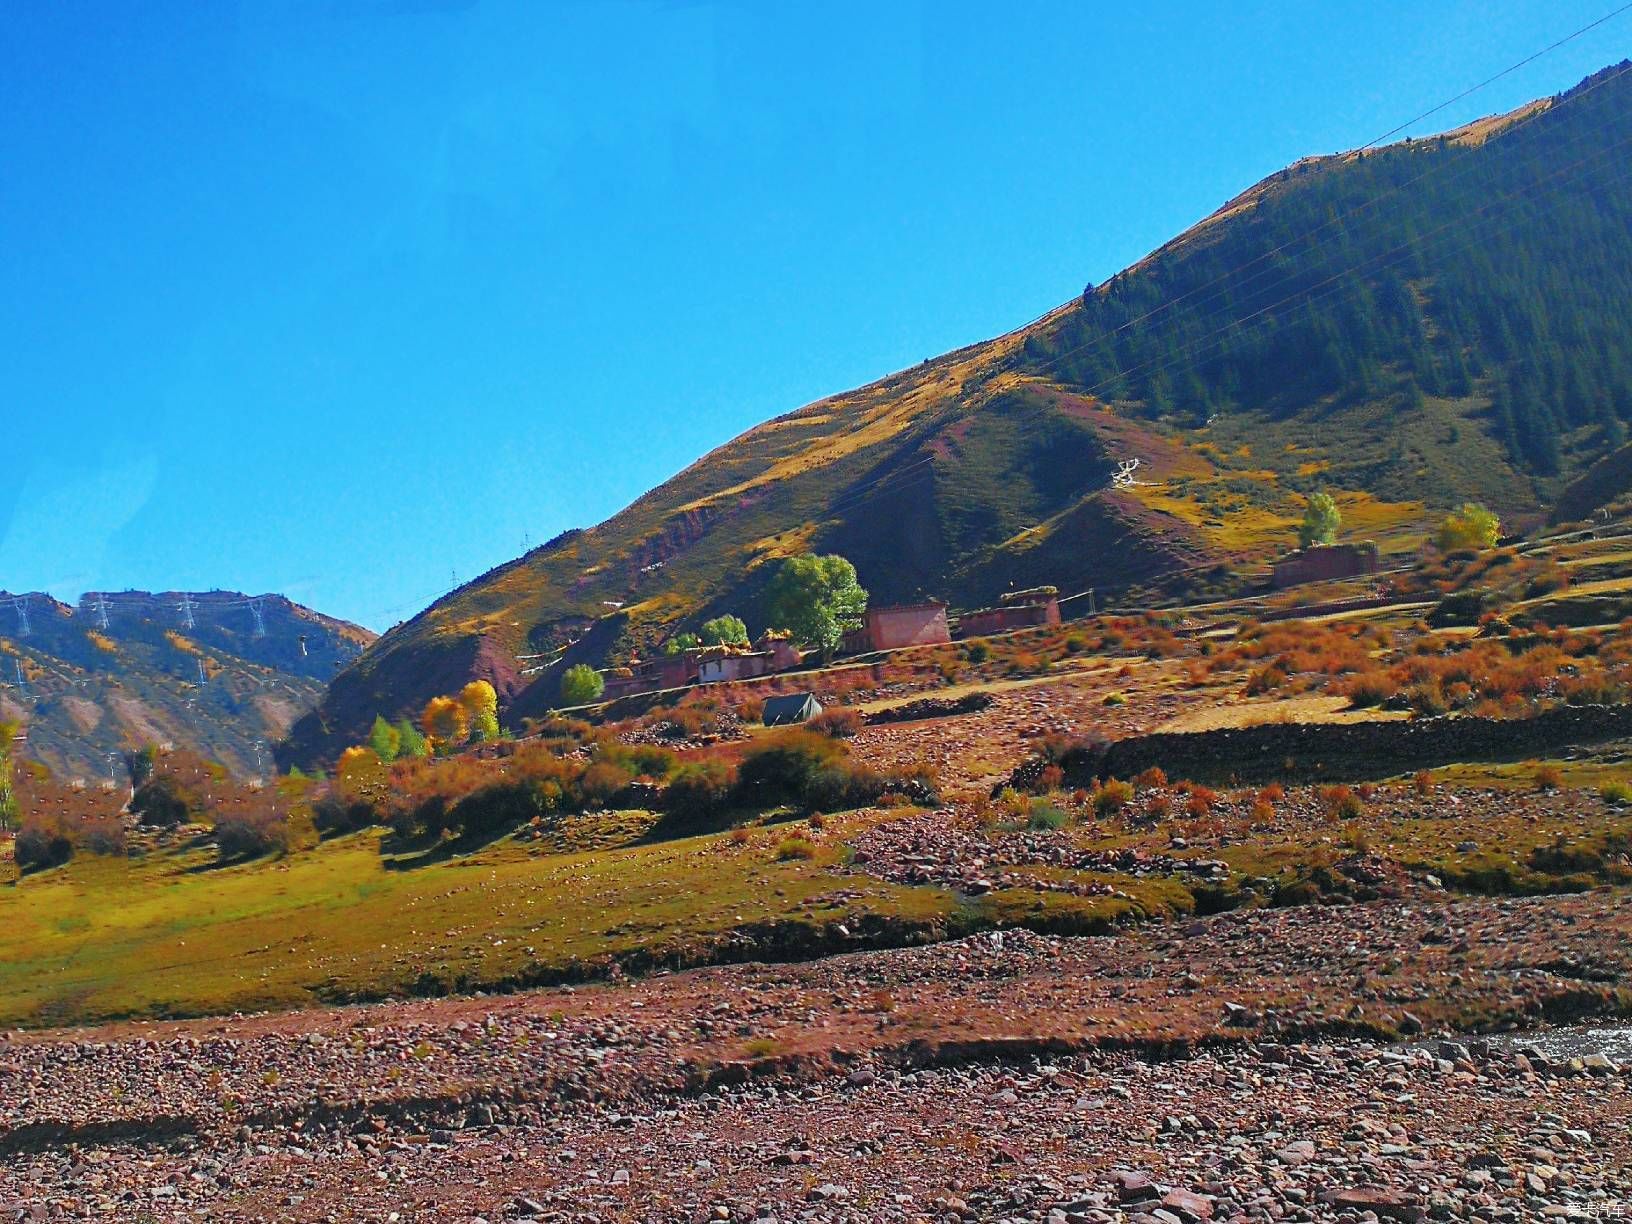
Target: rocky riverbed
1213	1069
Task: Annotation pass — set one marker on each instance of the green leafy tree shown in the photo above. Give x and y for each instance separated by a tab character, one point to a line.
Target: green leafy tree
1321	519
682	642
1470	525
581	684
818	598
725	631
9	807
410	743
385	739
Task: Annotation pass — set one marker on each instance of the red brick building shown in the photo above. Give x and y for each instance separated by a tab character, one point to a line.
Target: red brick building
919	624
1326	563
1016	610
649	675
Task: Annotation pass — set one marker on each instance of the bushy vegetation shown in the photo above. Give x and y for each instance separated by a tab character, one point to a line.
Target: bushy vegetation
1469	526
724	631
581	684
1508	673
839	723
1321	519
166	800
449	722
249	835
699	790
43	843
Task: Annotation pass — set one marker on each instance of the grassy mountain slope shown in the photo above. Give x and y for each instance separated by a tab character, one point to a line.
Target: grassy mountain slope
1420	324
223	686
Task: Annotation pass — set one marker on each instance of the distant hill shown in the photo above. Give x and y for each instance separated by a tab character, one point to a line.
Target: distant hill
1407	326
220	672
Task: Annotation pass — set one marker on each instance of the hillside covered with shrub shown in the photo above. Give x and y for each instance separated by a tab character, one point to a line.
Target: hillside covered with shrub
1407	326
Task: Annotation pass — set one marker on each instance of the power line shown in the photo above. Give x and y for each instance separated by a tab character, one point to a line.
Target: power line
1510	69
1313	294
1189	351
860	493
1217	282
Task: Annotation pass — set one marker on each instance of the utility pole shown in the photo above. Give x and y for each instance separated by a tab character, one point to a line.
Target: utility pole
185	607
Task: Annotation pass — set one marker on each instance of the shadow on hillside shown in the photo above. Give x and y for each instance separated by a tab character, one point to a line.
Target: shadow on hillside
410	853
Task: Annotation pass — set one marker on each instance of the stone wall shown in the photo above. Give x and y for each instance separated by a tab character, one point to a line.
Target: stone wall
1363	750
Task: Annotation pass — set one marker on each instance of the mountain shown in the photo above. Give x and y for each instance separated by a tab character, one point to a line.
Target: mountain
1407	326
223	673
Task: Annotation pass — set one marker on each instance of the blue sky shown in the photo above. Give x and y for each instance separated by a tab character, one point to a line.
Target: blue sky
346	298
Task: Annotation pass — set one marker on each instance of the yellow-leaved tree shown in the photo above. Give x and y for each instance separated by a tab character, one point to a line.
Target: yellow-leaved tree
446	723
8	789
1470	525
481	705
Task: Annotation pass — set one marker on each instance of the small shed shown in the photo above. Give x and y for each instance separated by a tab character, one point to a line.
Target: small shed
791	709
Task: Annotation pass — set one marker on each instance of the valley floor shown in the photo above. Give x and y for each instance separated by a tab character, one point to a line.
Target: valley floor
1004	1076
1061	1000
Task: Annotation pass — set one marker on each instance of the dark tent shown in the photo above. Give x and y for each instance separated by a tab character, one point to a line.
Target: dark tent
791	709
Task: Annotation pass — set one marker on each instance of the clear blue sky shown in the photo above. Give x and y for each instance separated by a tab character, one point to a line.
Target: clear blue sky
343	297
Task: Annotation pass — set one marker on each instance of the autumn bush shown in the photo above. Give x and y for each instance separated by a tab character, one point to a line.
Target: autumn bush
1548	777
795	847
699	789
103	835
334	815
1371	688
42	842
1110	797
1199	801
164	801
251	835
837	723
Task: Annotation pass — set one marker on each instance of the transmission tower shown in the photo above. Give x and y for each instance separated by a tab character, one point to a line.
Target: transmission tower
20	603
260	624
185	607
101	611
203	679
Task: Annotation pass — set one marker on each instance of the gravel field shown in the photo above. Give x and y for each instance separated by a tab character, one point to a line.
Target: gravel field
1219	1065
